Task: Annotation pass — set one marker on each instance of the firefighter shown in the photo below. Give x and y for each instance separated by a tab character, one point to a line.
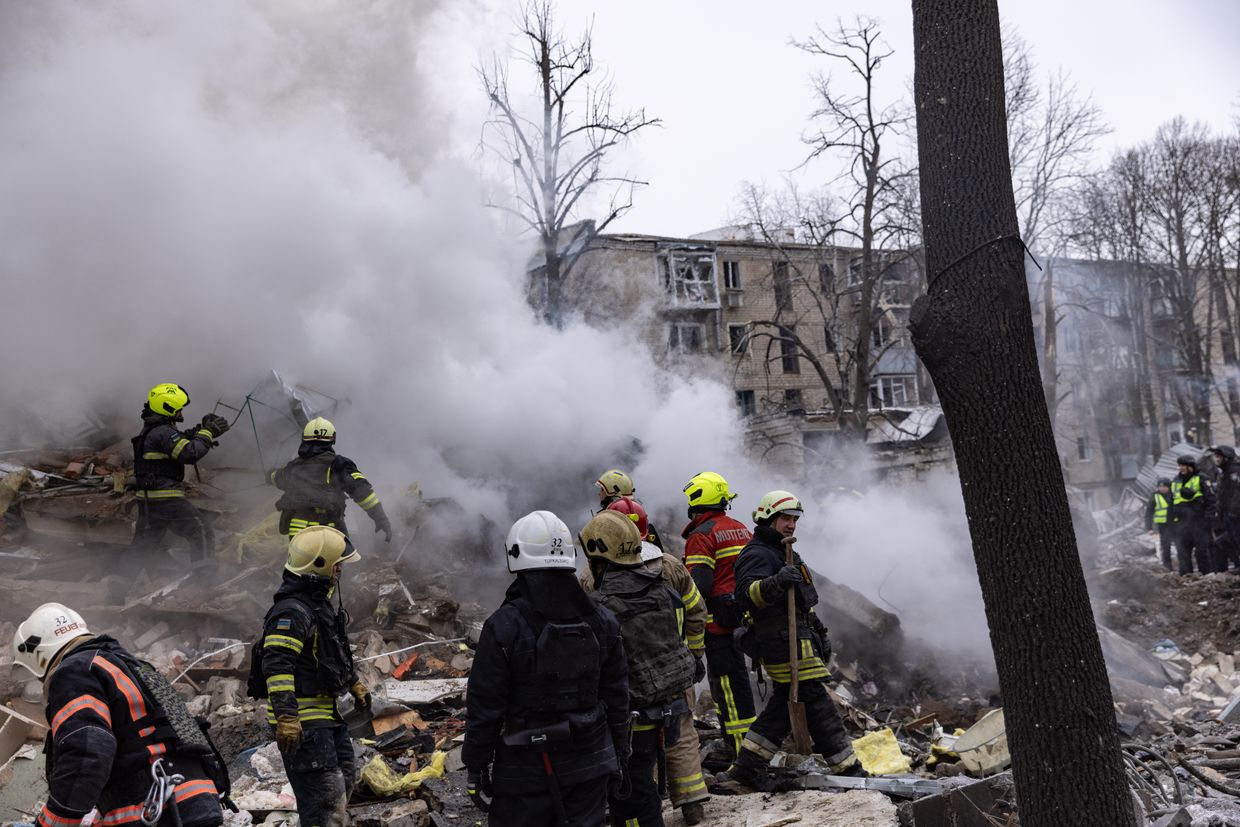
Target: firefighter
316	483
160	454
661	668
686	784
1189	507
304	663
115	727
1227	502
712	542
614	485
547	699
763	578
1158	518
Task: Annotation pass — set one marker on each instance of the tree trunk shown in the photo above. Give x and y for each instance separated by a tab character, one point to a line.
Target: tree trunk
975	334
1050	342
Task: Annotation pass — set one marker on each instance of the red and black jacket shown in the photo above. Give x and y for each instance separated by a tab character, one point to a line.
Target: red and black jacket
105	733
713	541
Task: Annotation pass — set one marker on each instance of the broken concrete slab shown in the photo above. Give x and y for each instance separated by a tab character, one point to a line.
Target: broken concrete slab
805	808
416	693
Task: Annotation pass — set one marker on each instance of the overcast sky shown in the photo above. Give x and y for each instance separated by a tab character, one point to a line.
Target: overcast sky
734	96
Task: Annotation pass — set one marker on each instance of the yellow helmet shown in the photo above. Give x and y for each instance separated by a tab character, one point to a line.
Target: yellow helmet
708	490
317	549
615	484
167	399
319	430
777	502
612	536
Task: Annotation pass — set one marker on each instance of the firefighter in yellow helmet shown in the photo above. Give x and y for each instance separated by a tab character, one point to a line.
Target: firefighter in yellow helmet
615	486
713	540
316	483
161	453
302	665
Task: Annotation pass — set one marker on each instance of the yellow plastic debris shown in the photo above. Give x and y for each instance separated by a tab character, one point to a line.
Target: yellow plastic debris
880	754
262	540
382	780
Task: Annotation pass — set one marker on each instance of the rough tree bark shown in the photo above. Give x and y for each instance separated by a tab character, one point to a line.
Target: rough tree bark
974	333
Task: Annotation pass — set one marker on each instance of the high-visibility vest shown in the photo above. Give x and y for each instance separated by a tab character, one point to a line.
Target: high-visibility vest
1193	488
1161	506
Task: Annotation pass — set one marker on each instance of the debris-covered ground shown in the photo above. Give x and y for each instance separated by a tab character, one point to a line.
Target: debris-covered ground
928	725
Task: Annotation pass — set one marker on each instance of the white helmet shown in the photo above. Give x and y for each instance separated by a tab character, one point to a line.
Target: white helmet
777	502
540	540
650	551
50	628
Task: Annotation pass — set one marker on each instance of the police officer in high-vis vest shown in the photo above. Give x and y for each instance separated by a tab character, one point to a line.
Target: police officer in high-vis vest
161	453
1158	518
316	483
305	664
1190	502
763	580
546	707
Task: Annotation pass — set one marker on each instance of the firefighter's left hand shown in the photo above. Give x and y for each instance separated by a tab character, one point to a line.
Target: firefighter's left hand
361	695
699	669
478	785
382	523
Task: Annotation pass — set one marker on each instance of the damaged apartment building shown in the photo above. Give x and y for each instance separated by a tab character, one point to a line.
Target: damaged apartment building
779	323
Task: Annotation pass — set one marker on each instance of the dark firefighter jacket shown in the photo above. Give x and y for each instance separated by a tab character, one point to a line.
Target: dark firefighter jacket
505	663
1191	498
1228	492
758	593
161	453
712	542
315	486
306	657
104	732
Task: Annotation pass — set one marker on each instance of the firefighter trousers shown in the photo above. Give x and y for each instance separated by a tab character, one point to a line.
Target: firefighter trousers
643	807
728	674
1190	541
826	728
585	805
321	773
685	782
177	515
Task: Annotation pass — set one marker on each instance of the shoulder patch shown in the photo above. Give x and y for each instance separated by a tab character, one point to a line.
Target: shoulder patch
284	624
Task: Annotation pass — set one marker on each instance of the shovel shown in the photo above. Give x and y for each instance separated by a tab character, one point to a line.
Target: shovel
796	710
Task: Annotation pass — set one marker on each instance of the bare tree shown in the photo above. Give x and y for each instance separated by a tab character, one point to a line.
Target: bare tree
871	219
559	156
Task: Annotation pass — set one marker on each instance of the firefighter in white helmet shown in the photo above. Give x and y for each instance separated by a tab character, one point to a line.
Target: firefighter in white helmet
547	700
113	722
316	483
763	581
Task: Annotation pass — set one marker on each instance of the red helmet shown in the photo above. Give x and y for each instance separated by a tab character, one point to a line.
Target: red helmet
635	511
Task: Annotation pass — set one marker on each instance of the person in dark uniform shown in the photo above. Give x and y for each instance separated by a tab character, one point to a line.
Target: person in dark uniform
161	453
316	483
1227	504
1191	501
112	731
763	578
546	706
305	664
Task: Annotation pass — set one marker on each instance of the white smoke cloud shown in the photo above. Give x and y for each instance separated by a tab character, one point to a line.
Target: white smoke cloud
200	192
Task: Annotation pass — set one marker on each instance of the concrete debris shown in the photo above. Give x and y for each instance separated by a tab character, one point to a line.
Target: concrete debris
804	808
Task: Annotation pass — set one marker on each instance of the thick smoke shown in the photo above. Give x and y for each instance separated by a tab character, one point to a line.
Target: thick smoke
202	192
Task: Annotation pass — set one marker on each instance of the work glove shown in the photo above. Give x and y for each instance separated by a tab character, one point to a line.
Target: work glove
699	669
478	785
361	695
288	733
215	424
382	523
789	576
